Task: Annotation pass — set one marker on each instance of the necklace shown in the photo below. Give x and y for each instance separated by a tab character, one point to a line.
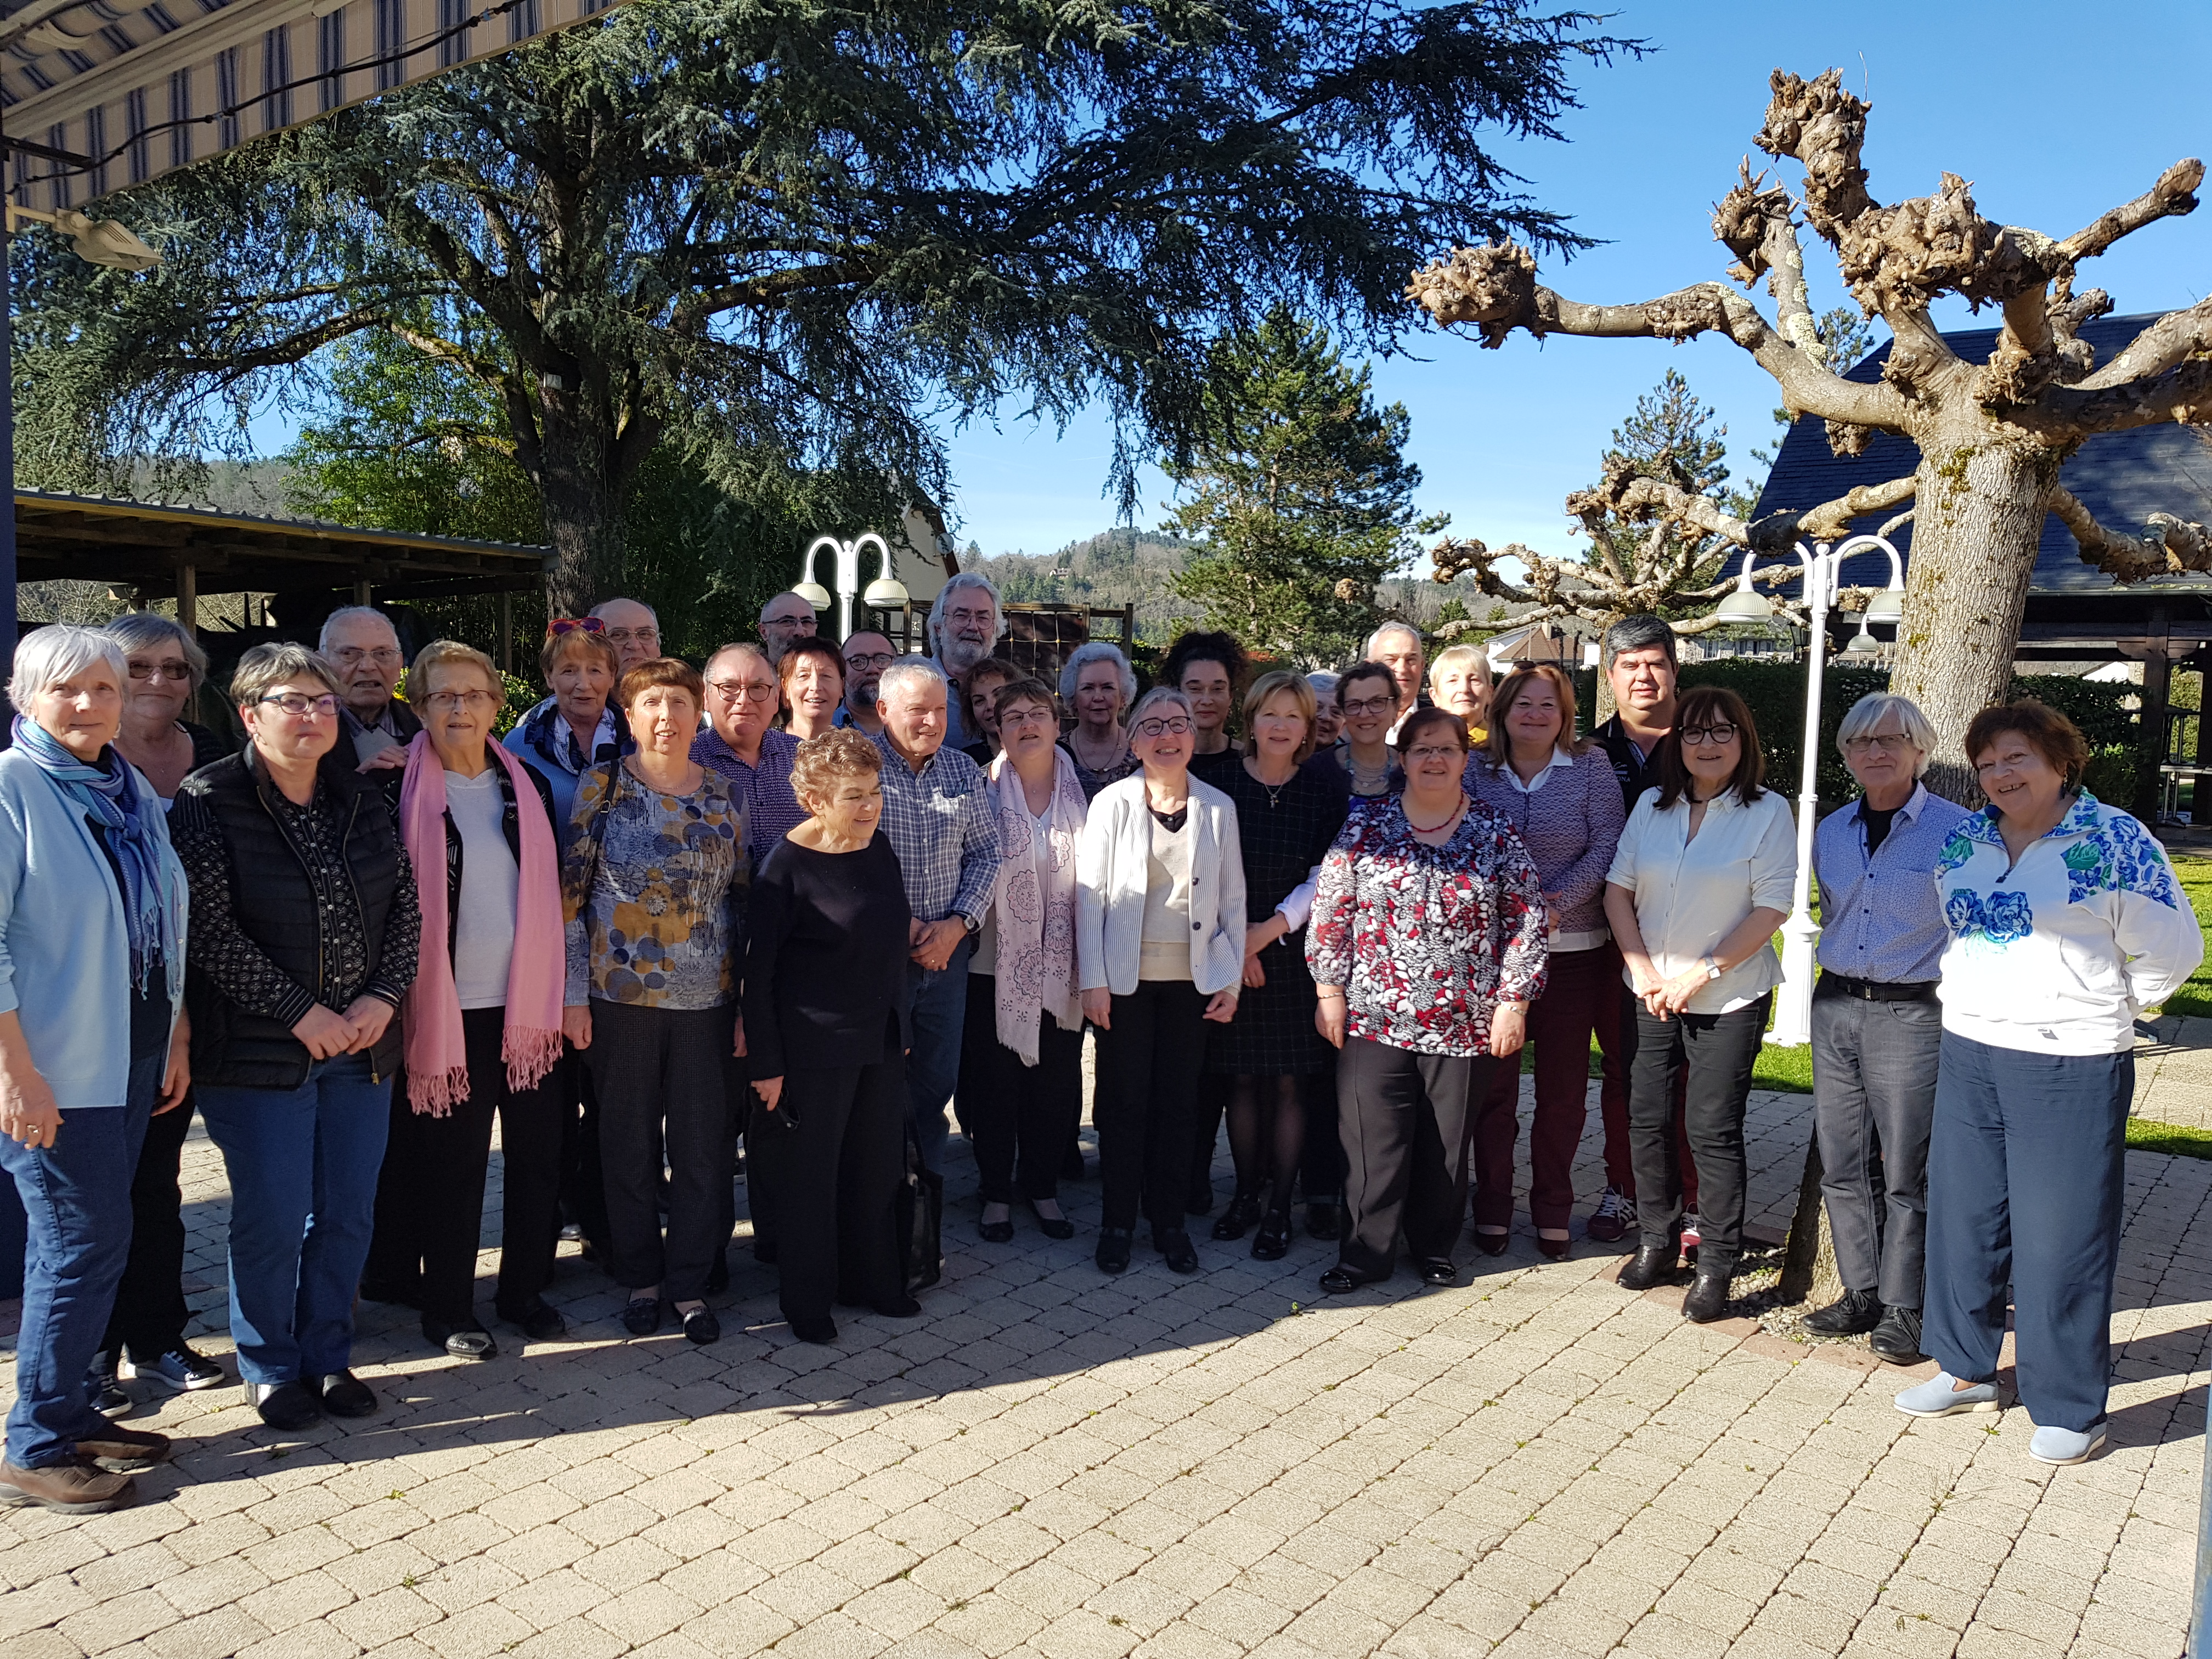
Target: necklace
1450	818
1274	790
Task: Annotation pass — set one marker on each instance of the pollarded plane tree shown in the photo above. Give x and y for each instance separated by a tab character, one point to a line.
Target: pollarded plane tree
1992	436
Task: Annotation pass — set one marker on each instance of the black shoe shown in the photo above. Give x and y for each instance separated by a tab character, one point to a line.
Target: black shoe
1244	1210
126	1450
718	1276
642	1317
1113	1256
700	1326
462	1341
1857	1313
996	1232
823	1331
1272	1242
1493	1244
1652	1264
344	1394
897	1307
1175	1248
1708	1299
1052	1226
1897	1339
540	1323
287	1406
397	1296
1439	1270
1340	1280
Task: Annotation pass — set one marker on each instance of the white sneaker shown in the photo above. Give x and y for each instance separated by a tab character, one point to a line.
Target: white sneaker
179	1368
1941	1396
2065	1446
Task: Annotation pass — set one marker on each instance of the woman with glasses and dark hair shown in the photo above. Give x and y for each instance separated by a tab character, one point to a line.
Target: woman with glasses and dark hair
305	929
166	669
1368	703
1159	946
2065	923
1700	881
1208	669
811	676
980	695
574	729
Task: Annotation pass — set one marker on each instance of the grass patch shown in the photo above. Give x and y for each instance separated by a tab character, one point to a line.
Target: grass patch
2194	997
2147	1135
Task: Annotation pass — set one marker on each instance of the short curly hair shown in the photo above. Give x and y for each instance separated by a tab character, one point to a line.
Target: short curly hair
1198	646
822	764
2049	733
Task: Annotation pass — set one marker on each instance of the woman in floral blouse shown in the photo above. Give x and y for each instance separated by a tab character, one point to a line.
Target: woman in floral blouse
1427	944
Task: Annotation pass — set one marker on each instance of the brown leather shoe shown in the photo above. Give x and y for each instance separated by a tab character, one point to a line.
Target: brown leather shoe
128	1448
78	1488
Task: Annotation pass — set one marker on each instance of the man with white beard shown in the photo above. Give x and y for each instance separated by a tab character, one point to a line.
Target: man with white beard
963	627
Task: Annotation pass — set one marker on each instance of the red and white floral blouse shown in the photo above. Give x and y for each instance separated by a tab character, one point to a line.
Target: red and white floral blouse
1428	941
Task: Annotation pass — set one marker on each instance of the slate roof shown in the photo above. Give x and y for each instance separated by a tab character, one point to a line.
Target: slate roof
2121	476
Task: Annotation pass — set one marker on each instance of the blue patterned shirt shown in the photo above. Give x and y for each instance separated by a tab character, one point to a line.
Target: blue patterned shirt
940	823
1880	918
764	792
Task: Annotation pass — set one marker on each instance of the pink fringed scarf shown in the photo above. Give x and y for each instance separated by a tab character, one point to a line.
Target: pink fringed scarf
437	1054
1036	906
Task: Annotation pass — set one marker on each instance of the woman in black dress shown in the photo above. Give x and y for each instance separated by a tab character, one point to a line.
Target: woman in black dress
825	975
1287	816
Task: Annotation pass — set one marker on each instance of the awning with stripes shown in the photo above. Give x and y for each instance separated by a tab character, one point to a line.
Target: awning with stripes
111	93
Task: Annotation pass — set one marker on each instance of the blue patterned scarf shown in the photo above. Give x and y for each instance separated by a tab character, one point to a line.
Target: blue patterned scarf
154	901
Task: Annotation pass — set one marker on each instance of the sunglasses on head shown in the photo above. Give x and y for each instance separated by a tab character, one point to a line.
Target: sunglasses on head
560	625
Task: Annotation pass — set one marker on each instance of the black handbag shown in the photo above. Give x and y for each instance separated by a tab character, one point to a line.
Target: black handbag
918	1214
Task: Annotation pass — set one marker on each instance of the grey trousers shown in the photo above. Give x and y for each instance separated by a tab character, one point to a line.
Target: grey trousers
1874	1098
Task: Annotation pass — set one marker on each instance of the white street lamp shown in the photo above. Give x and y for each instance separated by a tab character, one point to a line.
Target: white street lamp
886	592
98	241
1793	1012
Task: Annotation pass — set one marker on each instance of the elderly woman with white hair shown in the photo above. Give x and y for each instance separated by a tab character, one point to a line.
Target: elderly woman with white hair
965	621
1877	1024
1098	686
93	906
1459	680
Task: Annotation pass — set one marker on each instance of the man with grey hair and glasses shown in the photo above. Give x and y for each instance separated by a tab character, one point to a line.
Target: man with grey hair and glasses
634	630
784	619
963	627
1877	1026
361	644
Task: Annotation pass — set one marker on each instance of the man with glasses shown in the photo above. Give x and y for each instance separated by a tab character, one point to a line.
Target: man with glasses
362	646
742	745
1877	1026
866	655
783	619
964	628
632	629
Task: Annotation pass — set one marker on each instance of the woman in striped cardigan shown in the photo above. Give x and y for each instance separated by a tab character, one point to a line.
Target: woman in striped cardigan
1565	805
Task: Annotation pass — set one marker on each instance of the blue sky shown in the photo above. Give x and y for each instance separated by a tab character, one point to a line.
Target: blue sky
2055	113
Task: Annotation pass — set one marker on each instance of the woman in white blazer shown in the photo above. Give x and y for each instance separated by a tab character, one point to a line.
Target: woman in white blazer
1159	947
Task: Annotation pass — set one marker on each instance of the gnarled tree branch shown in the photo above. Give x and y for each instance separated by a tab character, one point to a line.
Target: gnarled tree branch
2168	545
2174	195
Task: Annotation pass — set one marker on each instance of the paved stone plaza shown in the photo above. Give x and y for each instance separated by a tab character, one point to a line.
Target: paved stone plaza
1538	1463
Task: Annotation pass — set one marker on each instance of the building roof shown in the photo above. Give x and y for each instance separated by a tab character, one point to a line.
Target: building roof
2121	476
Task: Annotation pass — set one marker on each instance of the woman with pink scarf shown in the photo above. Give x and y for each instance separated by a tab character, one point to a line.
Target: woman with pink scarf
1021	1056
483	1020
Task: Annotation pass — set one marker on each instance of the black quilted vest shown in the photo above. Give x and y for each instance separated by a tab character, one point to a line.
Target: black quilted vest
275	904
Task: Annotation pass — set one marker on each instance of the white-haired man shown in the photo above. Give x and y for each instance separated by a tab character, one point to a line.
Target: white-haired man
964	626
633	629
939	819
361	644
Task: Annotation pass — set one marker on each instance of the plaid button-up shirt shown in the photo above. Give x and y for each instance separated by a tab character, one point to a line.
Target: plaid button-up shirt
764	792
940	823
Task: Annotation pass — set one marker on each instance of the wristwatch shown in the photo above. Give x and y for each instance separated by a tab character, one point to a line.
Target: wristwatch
972	926
1713	970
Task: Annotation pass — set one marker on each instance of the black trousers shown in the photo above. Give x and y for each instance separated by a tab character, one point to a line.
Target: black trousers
1009	1110
1717	1051
667	1082
1321	1170
583	1183
833	1152
430	1194
1149	1060
150	1314
1403	1118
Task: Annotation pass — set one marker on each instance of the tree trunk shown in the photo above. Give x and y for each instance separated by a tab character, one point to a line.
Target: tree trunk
1809	1263
583	514
1976	520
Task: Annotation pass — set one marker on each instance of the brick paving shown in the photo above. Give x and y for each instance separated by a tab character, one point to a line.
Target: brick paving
1049	1463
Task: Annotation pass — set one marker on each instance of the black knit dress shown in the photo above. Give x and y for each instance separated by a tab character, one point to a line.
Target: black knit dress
1283	832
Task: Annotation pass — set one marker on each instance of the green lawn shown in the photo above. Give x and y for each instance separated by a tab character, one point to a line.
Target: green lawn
2194	997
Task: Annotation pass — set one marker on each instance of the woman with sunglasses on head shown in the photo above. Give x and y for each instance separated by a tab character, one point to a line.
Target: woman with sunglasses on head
573	729
305	929
812	678
1700	881
1159	946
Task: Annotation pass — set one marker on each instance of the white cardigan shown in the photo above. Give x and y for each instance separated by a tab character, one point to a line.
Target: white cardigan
1110	879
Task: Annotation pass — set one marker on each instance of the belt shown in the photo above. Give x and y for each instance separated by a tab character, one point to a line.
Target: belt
1875	990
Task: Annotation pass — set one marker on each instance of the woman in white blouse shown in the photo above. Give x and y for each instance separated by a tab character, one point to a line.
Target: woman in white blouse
1700	881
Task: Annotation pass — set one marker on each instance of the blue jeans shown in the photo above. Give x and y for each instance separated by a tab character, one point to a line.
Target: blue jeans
936	1014
77	1196
303	1164
2043	1137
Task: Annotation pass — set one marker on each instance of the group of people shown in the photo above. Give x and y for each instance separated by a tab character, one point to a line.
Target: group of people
808	897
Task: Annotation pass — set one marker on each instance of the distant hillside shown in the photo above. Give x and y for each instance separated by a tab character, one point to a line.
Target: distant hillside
1112	569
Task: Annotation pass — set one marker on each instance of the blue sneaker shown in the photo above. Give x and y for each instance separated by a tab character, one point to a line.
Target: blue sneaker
2066	1446
1940	1396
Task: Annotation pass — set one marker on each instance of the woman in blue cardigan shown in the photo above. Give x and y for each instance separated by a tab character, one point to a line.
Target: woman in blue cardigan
92	957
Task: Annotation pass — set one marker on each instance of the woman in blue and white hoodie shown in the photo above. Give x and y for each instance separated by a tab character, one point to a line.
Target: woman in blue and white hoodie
2066	923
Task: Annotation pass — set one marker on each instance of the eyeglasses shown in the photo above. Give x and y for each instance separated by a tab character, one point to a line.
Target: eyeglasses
1890	741
1032	715
1719	732
877	661
639	635
477	702
2016	761
1370	706
962	615
1426	752
299	703
560	625
808	622
352	656
1175	725
179	672
738	691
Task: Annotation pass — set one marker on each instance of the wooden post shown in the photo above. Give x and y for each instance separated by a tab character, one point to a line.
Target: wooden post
361	591
506	633
188	599
2154	741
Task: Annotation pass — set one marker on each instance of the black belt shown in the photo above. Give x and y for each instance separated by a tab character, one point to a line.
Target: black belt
1875	990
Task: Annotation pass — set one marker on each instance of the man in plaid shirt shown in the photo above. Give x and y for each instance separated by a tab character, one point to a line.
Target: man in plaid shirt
940	823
